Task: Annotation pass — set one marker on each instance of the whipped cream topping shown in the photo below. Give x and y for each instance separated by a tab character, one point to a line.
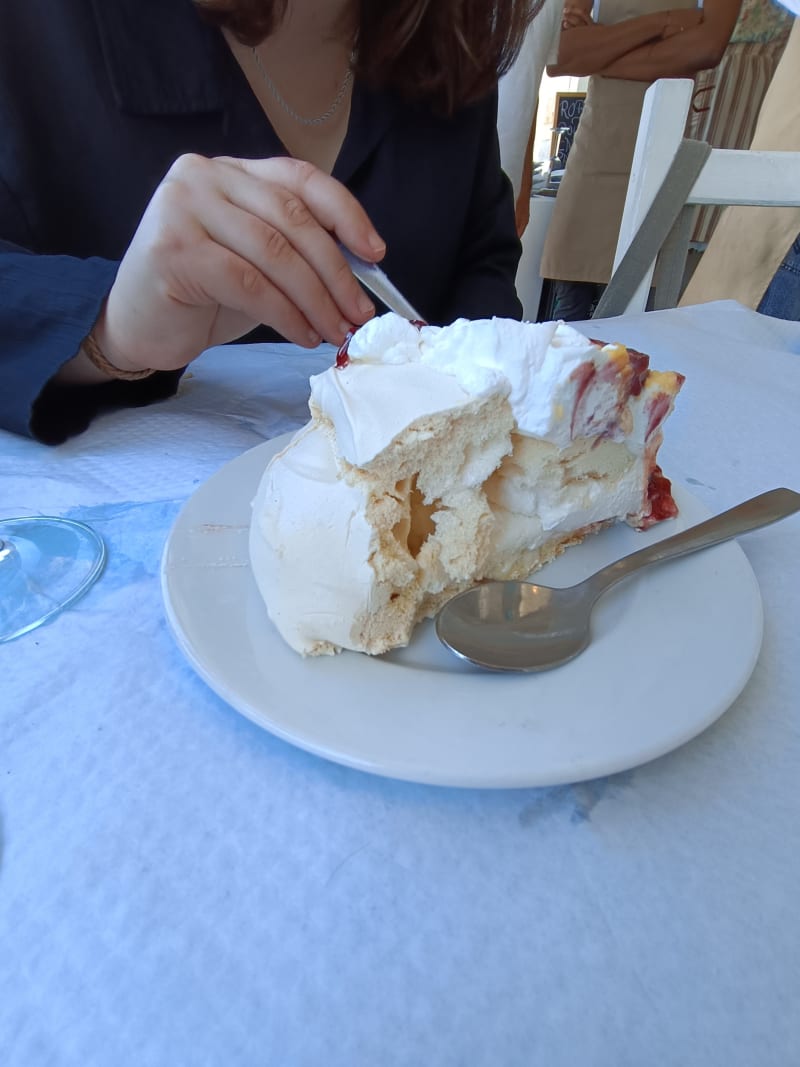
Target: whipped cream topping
369	404
547	370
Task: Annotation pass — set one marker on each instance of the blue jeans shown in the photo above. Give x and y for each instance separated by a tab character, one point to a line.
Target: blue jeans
575	301
782	298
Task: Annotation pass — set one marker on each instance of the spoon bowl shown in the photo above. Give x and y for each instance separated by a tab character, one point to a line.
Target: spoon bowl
516	626
521	626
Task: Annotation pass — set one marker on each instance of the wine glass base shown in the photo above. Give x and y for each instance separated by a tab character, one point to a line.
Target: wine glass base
46	564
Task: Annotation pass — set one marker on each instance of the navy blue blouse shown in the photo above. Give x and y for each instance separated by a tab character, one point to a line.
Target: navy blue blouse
99	97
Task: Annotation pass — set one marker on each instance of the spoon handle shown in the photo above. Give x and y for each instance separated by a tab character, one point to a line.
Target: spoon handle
751	515
380	285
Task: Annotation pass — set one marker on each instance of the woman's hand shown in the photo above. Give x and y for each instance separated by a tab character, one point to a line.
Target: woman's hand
227	244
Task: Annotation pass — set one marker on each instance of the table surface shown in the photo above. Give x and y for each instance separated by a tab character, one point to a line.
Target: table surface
178	886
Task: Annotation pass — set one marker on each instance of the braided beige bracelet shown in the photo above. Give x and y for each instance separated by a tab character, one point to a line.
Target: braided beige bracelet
94	354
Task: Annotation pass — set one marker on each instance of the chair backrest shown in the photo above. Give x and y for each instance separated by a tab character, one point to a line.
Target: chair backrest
727	177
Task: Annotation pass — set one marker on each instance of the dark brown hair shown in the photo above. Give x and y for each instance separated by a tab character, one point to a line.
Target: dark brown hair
450	52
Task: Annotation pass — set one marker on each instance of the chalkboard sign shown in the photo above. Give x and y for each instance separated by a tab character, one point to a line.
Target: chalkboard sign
568	111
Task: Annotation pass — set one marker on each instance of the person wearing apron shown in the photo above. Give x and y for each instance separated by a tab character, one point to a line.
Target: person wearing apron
582	237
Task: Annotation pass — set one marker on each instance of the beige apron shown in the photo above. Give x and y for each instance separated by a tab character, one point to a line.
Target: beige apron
582	236
749	243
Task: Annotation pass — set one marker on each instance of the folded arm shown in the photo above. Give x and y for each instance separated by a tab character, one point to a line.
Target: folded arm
590	48
694	43
673	43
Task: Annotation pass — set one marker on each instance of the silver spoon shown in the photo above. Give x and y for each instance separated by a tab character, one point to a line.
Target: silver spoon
380	285
519	626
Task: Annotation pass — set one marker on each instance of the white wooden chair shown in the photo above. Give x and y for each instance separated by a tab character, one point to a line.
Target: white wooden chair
653	209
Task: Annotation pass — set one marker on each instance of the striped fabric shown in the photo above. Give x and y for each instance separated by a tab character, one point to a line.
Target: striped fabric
725	107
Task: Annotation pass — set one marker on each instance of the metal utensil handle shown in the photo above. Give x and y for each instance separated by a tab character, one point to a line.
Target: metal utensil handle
751	515
371	275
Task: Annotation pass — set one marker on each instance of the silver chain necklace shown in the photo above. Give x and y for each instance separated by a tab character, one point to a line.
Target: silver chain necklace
318	120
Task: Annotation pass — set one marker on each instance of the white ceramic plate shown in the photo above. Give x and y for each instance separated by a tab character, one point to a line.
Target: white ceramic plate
672	649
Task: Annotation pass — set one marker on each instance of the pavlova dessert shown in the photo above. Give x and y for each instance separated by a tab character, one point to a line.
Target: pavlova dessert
439	456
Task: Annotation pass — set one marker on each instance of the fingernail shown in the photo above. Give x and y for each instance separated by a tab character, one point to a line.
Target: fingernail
314	338
377	245
365	305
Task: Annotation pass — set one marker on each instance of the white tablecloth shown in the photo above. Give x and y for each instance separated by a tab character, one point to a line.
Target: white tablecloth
178	887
